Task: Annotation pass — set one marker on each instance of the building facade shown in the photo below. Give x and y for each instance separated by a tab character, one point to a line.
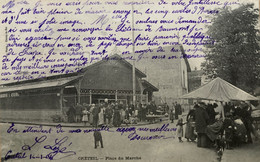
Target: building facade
168	70
40	99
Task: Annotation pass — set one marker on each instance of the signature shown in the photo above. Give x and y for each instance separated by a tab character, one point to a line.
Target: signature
58	150
37	140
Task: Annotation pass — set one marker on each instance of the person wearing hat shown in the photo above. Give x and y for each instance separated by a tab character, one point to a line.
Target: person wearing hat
201	122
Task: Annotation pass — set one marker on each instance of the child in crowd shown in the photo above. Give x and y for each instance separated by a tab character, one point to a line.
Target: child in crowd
179	125
85	116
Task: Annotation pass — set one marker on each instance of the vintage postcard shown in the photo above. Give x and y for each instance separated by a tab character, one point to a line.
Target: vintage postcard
129	80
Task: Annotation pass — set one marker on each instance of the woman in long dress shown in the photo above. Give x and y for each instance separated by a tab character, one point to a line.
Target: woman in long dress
189	131
101	116
116	118
91	114
122	114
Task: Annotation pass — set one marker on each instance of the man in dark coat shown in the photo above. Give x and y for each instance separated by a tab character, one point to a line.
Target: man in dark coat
79	108
95	112
202	120
116	117
71	114
178	110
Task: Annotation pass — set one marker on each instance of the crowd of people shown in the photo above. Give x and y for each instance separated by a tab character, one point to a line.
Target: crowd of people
212	128
203	123
113	113
174	111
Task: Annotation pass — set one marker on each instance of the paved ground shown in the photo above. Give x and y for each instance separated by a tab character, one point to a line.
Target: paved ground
115	145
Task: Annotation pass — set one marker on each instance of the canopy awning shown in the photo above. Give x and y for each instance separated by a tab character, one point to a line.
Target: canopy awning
219	90
40	84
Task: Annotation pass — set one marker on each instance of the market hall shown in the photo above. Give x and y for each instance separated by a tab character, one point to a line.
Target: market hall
39	99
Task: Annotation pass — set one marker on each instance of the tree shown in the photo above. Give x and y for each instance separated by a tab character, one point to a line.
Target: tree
235	54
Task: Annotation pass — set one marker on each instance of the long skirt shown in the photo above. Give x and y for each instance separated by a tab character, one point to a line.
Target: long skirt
189	131
85	118
122	114
203	140
101	118
91	118
116	119
179	131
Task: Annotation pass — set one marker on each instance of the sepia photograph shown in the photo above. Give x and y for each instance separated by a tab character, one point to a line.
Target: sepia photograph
130	80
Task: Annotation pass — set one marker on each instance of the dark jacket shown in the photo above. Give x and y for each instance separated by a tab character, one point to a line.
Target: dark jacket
211	112
202	119
109	112
97	135
95	111
178	109
79	109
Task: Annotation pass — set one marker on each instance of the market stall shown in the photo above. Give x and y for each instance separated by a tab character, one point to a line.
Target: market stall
219	90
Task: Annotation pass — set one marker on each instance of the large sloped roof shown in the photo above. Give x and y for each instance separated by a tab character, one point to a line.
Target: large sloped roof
219	90
112	57
115	57
40	84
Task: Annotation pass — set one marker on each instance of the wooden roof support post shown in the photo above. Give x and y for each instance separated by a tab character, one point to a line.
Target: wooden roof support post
61	100
133	66
77	86
116	96
90	97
